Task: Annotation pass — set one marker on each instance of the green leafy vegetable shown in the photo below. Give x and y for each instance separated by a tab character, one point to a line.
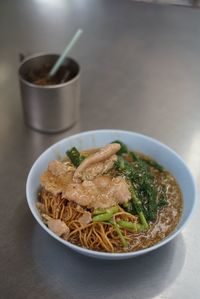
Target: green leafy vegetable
148	161
151	204
123	149
154	164
75	157
162	202
143	189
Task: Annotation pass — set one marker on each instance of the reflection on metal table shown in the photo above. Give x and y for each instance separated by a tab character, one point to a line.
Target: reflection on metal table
140	72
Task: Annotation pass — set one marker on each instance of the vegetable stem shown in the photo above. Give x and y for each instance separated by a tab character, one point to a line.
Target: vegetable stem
123	240
138	206
102	217
112	210
143	220
136	227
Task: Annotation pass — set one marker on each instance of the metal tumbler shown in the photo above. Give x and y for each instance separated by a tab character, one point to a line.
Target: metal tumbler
50	108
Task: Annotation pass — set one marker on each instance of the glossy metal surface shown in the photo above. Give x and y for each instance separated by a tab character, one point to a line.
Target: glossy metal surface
141	72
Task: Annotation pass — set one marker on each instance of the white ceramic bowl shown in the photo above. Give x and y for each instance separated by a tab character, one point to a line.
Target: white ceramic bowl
163	154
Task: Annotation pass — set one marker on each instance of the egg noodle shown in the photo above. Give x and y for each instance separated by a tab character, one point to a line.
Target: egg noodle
97	236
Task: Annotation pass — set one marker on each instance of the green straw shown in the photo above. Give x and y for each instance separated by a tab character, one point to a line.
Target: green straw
65	53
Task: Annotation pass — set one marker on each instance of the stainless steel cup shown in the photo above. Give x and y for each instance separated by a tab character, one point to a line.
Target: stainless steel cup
49	108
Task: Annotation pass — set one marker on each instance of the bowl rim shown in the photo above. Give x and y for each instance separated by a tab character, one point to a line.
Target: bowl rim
101	254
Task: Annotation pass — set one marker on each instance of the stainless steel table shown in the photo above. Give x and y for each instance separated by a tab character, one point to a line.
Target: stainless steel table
140	72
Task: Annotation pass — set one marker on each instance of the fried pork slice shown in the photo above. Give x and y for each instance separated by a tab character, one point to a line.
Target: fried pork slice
57	226
98	163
